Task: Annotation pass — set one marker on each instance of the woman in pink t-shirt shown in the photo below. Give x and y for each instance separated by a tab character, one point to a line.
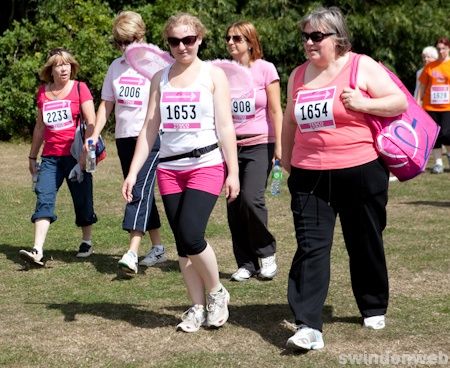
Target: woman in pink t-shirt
59	101
257	121
328	148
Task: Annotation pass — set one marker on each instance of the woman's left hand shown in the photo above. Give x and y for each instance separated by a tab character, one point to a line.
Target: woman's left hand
232	187
352	98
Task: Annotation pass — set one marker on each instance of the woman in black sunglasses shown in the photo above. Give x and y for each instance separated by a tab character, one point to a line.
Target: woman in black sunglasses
328	148
257	121
190	104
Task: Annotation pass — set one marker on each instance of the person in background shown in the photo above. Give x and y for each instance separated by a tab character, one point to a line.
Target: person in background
429	54
126	92
259	143
434	96
59	101
329	150
190	103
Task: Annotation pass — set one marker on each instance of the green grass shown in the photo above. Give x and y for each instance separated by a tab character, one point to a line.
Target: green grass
78	313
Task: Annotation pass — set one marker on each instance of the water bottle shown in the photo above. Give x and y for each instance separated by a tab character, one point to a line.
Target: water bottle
277	176
34	177
91	161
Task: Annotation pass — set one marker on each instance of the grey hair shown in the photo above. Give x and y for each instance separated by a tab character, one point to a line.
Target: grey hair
329	20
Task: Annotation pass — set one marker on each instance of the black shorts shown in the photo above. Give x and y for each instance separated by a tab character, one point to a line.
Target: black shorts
442	118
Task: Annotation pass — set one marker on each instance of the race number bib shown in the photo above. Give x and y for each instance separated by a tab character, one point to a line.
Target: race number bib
57	115
243	109
129	91
181	111
440	94
314	109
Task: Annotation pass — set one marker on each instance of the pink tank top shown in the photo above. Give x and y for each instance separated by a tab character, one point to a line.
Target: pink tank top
328	136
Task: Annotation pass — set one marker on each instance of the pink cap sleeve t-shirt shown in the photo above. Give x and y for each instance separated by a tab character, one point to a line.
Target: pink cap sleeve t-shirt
61	118
259	126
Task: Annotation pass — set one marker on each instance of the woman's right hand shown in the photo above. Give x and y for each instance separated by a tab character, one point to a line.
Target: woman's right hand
32	166
127	187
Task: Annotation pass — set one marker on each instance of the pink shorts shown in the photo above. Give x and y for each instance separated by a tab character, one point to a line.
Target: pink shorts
208	179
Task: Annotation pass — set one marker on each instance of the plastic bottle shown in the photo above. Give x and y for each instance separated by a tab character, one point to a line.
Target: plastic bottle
34	177
277	176
91	161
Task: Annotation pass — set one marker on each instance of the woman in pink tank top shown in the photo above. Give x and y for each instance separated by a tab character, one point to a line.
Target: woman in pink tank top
328	148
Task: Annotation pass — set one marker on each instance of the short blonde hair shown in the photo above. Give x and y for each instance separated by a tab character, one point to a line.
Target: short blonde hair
184	19
128	26
53	58
431	52
251	35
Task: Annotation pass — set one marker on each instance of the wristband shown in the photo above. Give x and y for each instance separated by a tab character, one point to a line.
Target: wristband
32	158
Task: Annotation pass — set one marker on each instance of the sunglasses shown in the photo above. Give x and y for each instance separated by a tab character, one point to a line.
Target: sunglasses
236	38
187	41
315	36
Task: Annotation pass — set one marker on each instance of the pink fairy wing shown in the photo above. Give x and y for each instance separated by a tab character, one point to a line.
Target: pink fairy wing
239	78
147	59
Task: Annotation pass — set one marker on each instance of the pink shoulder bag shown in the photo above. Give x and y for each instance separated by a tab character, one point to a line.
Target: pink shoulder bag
405	141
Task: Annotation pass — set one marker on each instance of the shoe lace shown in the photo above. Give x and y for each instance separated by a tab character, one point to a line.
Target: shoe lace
193	315
268	261
215	301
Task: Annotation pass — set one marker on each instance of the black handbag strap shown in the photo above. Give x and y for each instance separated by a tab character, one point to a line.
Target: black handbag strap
80	114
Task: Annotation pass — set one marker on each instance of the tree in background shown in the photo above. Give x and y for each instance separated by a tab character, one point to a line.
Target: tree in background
392	32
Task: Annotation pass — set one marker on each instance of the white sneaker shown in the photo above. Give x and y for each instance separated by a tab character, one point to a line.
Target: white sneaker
85	250
268	268
217	308
128	262
192	319
32	256
242	274
156	255
375	322
306	338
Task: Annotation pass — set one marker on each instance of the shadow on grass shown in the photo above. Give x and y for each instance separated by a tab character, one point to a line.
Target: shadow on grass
430	203
131	313
267	320
103	263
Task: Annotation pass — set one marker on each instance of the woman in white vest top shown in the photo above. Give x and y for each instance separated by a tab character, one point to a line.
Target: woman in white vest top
190	103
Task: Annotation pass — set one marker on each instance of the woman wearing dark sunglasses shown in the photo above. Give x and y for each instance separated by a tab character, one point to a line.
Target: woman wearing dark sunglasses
126	92
190	103
257	121
328	148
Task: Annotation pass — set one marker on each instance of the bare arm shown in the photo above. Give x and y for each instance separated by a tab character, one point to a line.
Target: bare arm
146	138
386	97
38	139
289	127
420	93
275	113
225	131
103	112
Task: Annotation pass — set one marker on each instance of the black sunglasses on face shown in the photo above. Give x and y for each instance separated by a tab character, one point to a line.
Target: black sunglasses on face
315	36
236	38
187	41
